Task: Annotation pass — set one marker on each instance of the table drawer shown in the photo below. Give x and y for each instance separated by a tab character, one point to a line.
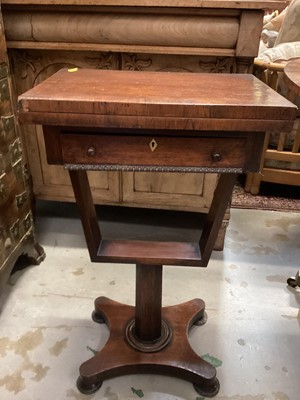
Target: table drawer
162	151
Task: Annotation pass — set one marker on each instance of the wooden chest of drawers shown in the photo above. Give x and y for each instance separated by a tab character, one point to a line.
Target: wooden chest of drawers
16	222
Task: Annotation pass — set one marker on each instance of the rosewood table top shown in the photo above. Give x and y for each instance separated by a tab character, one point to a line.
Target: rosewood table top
156	99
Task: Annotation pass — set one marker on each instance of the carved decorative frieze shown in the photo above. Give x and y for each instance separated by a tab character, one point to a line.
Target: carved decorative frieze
221	65
132	62
34	66
102	61
22	62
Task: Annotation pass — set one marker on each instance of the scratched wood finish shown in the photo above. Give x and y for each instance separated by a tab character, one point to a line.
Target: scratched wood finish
145	94
99	101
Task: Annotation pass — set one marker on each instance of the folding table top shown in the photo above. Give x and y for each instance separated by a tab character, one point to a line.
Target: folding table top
170	100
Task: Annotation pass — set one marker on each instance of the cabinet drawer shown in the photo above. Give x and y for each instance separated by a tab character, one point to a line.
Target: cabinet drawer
161	151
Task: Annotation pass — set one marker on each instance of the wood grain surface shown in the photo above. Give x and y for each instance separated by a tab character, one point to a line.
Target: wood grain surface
148	94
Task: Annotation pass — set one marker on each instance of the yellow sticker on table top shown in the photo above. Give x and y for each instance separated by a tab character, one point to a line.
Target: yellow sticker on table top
72	69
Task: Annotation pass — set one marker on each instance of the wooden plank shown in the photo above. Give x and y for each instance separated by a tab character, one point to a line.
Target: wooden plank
285	177
149	252
142	122
248	4
117	48
282	156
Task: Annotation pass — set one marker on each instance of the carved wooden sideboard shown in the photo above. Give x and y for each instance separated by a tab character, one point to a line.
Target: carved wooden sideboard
16	222
158	35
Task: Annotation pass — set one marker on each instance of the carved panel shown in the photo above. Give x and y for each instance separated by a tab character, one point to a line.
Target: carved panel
49	181
31	67
169	63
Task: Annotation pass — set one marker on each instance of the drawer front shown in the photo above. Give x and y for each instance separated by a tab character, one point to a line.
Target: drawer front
161	151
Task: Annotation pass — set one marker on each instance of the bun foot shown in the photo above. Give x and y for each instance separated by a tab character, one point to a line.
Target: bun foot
96	317
208	390
202	320
85	388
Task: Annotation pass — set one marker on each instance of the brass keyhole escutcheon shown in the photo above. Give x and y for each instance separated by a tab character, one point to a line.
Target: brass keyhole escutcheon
153	144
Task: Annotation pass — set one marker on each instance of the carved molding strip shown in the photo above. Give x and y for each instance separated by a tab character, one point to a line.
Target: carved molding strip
149	168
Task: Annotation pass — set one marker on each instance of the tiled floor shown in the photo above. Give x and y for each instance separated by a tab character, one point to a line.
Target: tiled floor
253	316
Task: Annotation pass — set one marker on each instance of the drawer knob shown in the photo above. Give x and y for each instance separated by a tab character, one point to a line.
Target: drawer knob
91	151
216	157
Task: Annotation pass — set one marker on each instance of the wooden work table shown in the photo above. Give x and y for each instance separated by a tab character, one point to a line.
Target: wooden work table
159	122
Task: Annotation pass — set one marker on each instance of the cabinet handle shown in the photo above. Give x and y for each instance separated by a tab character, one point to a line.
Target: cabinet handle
216	157
91	151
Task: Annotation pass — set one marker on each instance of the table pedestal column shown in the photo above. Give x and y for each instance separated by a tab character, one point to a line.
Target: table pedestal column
148	339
